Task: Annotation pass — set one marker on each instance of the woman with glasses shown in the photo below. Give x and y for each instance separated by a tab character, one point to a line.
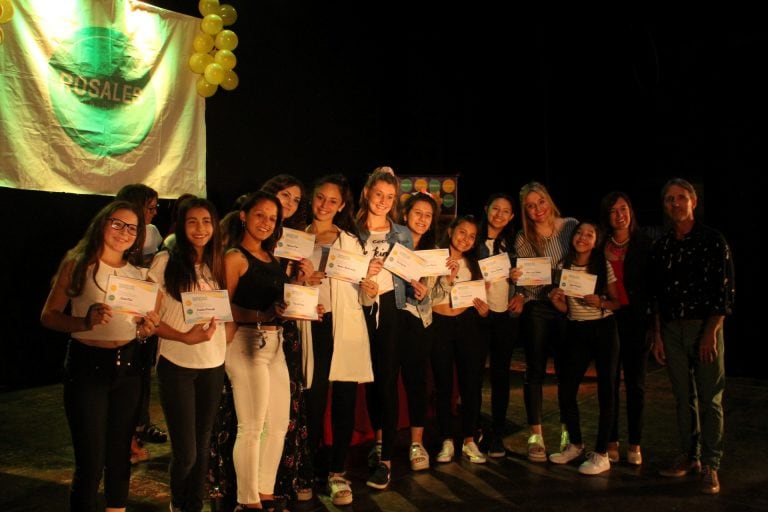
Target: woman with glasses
102	382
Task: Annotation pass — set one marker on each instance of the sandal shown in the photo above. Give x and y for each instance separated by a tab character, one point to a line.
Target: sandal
304	494
153	434
536	450
339	489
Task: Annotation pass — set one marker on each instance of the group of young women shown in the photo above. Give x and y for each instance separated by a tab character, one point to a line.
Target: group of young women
266	429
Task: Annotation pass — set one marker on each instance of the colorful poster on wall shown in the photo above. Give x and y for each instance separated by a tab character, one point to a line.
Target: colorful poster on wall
443	189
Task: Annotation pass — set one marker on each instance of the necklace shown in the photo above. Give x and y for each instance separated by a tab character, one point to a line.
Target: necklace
619	244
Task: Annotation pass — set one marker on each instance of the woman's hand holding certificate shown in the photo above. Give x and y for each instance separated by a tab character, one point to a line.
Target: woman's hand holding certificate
495	268
535	271
405	263
577	284
295	244
300	302
464	293
200	306
130	296
346	266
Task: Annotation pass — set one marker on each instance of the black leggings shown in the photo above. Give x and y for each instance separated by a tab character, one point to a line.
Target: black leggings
456	341
101	400
502	335
190	399
343	399
414	347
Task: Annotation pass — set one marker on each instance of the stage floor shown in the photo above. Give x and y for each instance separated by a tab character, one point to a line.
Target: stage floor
36	462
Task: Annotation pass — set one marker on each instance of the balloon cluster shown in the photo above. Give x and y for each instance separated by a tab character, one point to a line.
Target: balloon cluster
6	13
213	59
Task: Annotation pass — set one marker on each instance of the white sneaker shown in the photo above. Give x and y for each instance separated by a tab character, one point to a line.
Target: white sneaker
473	453
446	452
634	458
419	457
571	452
595	464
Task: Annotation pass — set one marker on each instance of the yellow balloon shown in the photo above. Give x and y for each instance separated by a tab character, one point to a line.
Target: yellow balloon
226	58
207	7
212	24
228	14
214	73
6	11
203	43
226	40
205	88
199	61
230	81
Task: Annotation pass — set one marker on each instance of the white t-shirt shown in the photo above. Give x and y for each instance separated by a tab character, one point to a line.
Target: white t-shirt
208	354
121	327
498	293
152	240
377	247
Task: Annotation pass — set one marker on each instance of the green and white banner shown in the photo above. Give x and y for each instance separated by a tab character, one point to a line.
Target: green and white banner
96	94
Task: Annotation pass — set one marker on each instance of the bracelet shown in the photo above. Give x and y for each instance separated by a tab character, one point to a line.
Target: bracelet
139	337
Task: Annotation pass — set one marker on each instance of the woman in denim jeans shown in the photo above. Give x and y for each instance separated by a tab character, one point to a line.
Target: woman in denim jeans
102	383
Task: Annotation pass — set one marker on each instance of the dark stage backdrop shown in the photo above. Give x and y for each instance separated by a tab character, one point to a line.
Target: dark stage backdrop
323	89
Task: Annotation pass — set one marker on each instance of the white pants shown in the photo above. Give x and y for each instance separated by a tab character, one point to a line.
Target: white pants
261	392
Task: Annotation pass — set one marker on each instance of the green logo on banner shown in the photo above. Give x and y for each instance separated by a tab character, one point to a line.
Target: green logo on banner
98	87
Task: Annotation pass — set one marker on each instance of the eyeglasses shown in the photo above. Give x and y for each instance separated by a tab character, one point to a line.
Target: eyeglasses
119	225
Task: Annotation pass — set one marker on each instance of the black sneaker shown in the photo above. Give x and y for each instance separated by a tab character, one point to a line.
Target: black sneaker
380	478
496	447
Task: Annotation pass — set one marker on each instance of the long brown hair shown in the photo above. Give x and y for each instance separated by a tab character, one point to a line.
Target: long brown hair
87	250
387	175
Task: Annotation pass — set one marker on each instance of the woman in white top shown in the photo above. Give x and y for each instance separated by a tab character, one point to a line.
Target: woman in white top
340	349
102	375
591	336
190	364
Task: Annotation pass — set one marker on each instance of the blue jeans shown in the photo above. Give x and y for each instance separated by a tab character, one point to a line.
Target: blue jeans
704	381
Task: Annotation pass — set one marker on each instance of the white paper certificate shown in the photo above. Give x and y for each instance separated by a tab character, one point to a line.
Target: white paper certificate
295	244
577	284
404	262
200	306
434	262
300	301
495	268
346	266
536	271
463	293
131	296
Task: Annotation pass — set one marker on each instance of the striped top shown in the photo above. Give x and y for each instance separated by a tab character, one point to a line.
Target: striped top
556	247
579	310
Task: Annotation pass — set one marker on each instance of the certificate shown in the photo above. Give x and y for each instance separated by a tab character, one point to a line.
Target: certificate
404	262
295	244
346	266
496	267
301	302
536	271
131	296
434	262
577	284
200	306
463	293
